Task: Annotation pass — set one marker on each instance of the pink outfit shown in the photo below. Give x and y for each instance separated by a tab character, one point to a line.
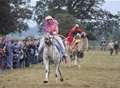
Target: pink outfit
52	26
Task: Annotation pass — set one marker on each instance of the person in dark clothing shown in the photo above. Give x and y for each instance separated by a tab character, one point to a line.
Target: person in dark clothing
16	57
32	52
10	47
111	47
103	44
116	47
26	54
1	56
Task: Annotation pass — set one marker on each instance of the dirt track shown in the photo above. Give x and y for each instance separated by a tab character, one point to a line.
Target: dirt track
98	70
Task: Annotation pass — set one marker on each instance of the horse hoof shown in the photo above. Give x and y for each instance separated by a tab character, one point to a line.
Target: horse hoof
56	75
61	80
45	81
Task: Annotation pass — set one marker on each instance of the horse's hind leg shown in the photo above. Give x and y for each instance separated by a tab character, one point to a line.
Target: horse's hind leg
58	73
46	64
76	60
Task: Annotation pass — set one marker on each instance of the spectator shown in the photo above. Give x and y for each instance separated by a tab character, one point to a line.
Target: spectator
111	47
116	47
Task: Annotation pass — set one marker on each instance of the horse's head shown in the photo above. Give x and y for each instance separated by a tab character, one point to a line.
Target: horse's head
83	35
81	42
48	40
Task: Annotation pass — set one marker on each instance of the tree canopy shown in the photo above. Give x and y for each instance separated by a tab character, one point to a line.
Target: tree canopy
7	21
82	9
98	22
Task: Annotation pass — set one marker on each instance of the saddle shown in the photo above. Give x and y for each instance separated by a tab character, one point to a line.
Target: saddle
75	42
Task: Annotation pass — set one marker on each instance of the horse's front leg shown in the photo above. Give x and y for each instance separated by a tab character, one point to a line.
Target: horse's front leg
46	64
76	60
58	72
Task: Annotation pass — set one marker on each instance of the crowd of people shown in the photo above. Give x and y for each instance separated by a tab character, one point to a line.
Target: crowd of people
18	53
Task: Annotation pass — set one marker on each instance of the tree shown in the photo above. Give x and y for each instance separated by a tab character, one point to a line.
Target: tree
41	10
82	9
65	22
12	16
20	11
7	21
104	24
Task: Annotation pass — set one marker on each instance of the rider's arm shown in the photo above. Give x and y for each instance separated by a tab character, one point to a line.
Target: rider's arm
57	31
73	29
73	43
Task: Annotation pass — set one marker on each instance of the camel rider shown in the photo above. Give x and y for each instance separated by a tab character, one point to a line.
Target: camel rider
51	27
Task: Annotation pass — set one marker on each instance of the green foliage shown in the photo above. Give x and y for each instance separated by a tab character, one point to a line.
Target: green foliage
99	22
7	21
91	36
12	16
41	10
79	8
20	12
65	22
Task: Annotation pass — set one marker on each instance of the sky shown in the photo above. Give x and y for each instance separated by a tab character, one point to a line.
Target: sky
112	6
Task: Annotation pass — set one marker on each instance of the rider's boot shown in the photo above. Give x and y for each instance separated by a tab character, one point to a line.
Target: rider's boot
65	59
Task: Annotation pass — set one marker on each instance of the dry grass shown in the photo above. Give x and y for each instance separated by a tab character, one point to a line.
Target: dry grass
98	70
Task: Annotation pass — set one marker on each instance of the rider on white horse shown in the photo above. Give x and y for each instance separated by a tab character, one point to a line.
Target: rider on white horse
51	27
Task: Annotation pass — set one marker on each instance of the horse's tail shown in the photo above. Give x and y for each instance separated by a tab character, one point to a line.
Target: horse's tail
85	42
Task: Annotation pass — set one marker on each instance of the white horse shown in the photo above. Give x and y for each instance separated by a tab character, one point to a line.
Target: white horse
50	52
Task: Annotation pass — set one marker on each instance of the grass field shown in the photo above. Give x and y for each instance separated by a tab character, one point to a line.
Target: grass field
98	70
